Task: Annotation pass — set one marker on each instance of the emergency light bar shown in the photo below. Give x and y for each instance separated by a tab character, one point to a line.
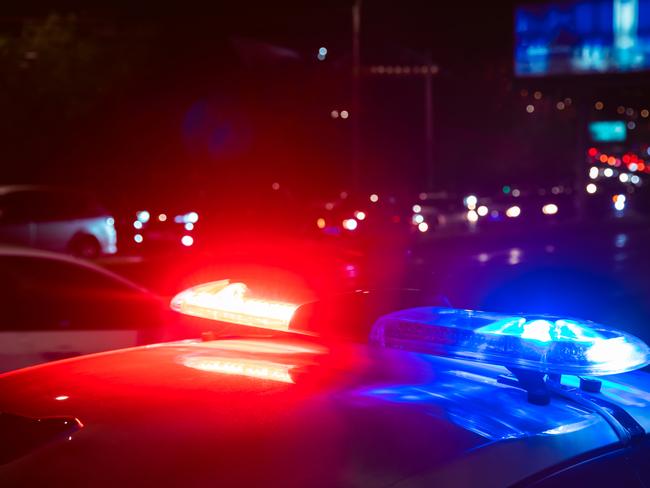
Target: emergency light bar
231	302
538	343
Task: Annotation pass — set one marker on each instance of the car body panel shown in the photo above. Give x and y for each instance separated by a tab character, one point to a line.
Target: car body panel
252	412
56	306
51	218
57	235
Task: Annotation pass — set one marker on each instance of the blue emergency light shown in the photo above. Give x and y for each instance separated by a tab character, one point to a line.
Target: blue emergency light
543	344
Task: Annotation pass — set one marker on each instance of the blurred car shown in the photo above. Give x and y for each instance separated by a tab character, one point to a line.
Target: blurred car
55	307
56	220
431	397
154	232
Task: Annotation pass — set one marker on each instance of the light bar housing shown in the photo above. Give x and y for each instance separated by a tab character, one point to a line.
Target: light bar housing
224	301
538	343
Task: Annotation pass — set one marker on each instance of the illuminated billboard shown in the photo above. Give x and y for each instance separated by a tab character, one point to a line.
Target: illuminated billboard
582	37
608	131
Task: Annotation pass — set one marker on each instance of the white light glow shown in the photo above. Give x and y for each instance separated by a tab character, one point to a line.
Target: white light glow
549	209
350	224
229	302
513	212
472	216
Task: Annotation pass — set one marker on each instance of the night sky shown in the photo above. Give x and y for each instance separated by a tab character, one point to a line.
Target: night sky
231	95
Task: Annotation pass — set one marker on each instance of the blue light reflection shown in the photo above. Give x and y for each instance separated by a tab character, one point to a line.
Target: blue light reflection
475	401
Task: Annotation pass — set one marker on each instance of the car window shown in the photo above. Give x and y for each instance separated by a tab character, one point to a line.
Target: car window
47	205
45	294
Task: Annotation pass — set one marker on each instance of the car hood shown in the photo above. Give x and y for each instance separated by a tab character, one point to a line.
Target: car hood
251	412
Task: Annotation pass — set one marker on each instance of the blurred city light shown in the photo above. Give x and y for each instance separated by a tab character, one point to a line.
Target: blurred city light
162	217
472	216
591	188
320	223
187	241
619	202
275	186
143	216
137	224
360	215
471	201
138	238
608	173
189	226
423	227
334	114
530	109
418	219
322	54
344	114
513	211
593	172
417	208
350	224
374	198
516	192
549	209
623	177
482	211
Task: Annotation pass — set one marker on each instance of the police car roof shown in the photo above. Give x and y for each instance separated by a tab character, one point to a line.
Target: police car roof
293	412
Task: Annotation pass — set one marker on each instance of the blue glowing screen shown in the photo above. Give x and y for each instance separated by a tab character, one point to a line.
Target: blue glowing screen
582	37
608	131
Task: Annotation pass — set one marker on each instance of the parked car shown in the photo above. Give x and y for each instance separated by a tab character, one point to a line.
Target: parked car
56	306
56	220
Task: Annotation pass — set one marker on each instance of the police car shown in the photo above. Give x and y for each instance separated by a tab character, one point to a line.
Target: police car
337	393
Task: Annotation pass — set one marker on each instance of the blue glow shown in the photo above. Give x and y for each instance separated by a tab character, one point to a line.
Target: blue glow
541	343
608	131
542	330
582	36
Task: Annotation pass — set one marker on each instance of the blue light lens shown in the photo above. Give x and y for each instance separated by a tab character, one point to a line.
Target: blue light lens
540	343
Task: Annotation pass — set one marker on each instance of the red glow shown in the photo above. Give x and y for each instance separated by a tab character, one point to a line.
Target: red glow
603	158
626	158
611	160
593	151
